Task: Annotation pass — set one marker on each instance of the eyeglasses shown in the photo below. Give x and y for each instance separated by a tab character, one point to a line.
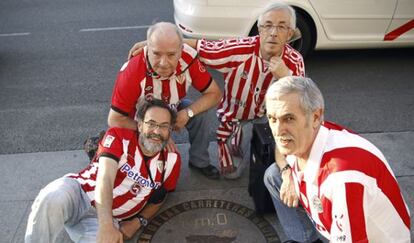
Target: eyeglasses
152	125
279	28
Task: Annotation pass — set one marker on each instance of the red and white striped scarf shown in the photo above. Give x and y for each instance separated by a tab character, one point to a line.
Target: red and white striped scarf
224	131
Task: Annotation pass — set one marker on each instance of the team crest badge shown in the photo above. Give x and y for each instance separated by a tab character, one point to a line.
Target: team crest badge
148	88
180	78
135	188
149	97
201	67
160	165
108	141
317	204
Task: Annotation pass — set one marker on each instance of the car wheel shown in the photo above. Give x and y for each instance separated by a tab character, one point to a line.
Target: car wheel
254	31
305	44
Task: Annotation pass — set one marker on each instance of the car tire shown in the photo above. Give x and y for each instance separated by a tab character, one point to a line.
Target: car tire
305	44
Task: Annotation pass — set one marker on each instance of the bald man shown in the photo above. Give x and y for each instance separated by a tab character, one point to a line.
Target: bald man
165	70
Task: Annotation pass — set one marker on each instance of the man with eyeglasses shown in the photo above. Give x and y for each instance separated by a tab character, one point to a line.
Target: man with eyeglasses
166	69
118	192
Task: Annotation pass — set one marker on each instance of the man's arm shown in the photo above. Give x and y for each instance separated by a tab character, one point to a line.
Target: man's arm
209	98
287	189
116	119
130	227
103	196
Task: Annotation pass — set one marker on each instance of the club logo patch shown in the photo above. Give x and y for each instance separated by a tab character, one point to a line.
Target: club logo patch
108	141
160	166
317	204
180	78
201	67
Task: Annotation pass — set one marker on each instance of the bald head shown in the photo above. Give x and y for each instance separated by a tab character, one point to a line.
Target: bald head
165	32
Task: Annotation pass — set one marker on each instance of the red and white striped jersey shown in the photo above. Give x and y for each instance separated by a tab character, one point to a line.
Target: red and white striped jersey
350	191
246	75
133	185
137	80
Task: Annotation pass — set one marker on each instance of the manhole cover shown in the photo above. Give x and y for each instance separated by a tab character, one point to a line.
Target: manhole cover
208	221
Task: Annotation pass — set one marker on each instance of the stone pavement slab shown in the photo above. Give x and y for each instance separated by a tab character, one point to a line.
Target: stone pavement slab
25	174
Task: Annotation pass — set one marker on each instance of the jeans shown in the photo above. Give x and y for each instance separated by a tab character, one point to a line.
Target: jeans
198	132
295	222
62	204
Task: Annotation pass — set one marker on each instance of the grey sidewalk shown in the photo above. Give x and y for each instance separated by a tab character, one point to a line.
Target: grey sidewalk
23	175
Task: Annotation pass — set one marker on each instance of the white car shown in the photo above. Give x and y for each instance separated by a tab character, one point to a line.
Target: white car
323	24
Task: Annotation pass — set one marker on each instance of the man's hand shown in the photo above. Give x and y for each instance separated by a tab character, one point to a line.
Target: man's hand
287	190
182	119
278	68
129	227
171	147
136	49
109	234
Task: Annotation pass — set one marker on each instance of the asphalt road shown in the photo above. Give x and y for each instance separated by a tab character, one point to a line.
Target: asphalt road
59	59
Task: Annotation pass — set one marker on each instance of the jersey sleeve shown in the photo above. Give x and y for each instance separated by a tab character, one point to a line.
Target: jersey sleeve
111	145
200	78
173	171
294	61
224	55
127	87
348	214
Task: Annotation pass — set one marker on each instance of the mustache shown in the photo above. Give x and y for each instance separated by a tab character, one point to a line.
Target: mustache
156	136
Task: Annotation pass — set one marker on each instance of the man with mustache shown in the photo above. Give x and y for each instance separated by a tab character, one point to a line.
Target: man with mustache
249	66
118	192
343	181
166	69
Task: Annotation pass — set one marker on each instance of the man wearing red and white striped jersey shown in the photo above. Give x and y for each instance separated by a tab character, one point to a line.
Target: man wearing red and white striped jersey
116	195
343	181
165	70
249	66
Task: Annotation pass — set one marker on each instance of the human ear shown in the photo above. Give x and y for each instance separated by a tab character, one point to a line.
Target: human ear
291	32
317	117
139	126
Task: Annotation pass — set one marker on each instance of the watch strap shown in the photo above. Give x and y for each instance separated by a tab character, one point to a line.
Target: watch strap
142	220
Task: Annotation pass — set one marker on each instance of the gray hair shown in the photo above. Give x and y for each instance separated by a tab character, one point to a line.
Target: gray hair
162	26
277	6
311	97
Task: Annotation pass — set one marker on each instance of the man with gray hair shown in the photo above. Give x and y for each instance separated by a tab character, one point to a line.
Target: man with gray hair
165	70
249	66
344	183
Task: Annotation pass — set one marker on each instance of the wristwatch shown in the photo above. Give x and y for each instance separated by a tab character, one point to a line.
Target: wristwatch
287	167
190	113
142	220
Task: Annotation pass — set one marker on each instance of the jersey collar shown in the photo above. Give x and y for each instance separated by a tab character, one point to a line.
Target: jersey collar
315	156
